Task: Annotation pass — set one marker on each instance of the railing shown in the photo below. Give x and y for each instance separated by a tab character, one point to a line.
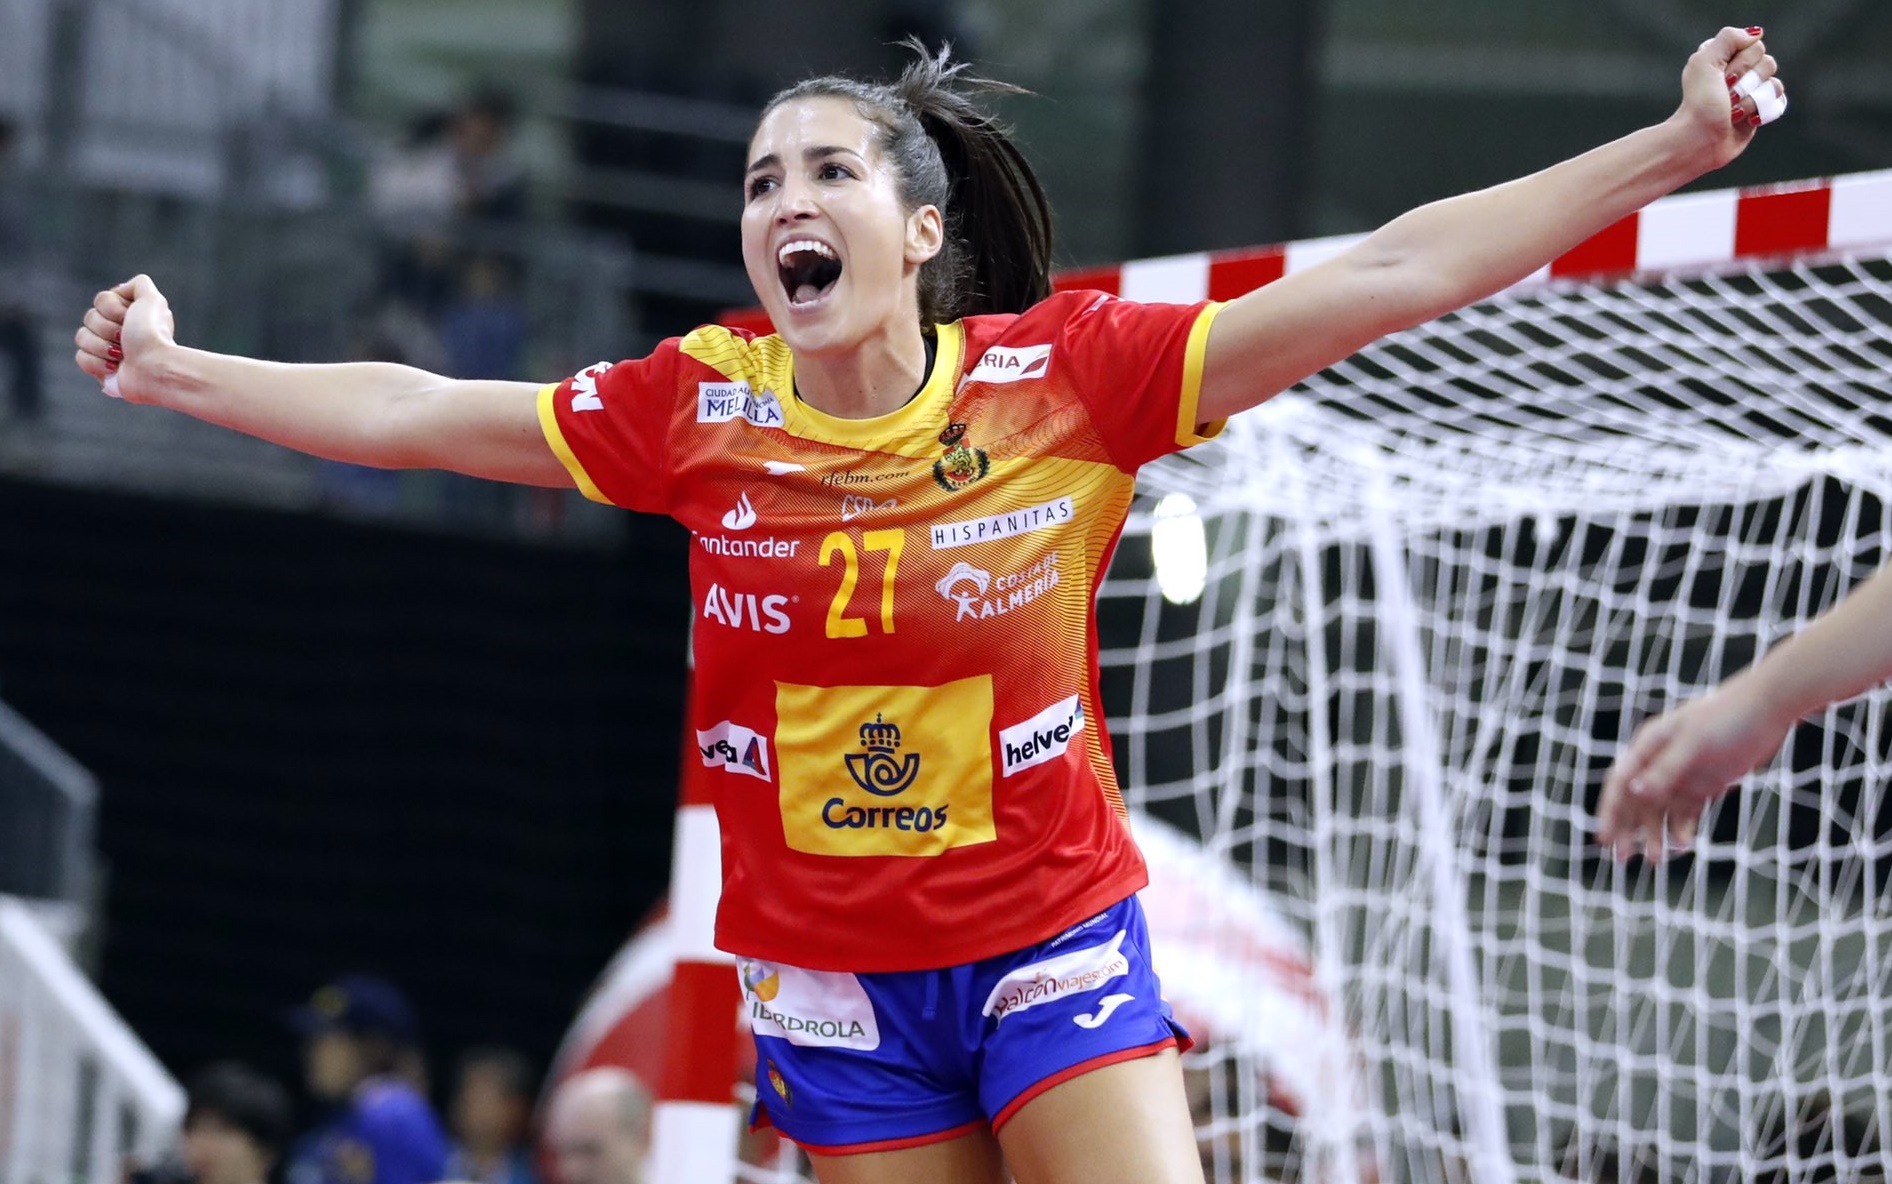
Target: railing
47	806
80	1097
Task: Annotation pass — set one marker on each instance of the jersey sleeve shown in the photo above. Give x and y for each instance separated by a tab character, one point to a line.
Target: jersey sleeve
610	424
1138	367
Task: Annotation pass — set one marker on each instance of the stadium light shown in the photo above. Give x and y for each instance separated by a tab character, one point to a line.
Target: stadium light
1180	549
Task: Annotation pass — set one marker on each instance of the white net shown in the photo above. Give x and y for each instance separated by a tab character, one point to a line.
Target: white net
1444	581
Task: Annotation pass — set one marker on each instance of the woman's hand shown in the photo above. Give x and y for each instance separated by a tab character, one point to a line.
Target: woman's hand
1682	760
124	337
1729	89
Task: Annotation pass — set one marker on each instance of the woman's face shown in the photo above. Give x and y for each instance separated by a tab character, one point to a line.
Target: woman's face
827	244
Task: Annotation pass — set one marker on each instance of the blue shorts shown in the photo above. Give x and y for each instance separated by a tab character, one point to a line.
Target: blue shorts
850	1063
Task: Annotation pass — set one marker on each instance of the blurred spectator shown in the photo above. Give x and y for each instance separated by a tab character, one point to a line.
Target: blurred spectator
484	330
491	1111
360	1035
599	1128
491	181
453	169
19	329
236	1125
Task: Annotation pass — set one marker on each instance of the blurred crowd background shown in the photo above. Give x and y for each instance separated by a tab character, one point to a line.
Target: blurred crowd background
426	728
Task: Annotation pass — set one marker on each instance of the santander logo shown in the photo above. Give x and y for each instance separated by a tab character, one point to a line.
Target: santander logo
743	516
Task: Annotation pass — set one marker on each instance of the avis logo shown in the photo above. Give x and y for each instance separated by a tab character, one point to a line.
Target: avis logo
1001	364
877	770
735	748
746	610
585	387
743	516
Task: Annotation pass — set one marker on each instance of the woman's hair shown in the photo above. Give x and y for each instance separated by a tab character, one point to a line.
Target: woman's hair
949	153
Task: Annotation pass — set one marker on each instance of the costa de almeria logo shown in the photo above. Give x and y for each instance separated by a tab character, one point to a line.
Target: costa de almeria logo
877	770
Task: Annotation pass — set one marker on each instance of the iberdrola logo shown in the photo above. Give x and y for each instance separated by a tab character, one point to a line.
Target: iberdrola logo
877	770
761	980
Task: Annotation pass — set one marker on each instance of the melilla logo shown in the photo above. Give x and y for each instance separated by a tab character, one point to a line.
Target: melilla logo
877	770
721	402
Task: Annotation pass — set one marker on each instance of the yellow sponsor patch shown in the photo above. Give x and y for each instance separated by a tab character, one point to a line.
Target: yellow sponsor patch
885	770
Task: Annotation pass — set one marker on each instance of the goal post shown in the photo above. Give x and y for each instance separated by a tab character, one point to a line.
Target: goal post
1444	580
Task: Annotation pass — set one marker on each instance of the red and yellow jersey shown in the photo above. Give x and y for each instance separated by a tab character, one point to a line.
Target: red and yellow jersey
896	708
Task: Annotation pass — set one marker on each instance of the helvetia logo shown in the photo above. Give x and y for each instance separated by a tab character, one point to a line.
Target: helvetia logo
877	770
742	517
1045	736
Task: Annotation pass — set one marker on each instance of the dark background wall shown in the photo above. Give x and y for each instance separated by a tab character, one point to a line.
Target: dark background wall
327	746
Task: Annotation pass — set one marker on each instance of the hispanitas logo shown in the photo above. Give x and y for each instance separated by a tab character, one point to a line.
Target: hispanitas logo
962	464
877	769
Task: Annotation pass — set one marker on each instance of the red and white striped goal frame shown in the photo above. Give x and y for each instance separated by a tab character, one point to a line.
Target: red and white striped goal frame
1686	232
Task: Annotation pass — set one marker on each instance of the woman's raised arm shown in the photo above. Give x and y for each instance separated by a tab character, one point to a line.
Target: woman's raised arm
367	413
1447	254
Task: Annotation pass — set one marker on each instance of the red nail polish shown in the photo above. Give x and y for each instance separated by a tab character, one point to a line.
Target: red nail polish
1753	30
1733	78
109	366
1756	121
115	354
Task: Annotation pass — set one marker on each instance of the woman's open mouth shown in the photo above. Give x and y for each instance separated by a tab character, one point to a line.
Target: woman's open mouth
809	270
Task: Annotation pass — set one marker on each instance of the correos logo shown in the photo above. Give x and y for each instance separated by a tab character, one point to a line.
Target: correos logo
1043	737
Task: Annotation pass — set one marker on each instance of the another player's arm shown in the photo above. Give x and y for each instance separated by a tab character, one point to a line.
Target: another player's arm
369	413
1447	254
1684	759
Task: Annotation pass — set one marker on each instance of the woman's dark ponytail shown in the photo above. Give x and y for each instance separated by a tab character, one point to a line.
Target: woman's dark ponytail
950	153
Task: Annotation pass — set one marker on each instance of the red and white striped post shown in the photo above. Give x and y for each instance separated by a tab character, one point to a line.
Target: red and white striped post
695	1121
